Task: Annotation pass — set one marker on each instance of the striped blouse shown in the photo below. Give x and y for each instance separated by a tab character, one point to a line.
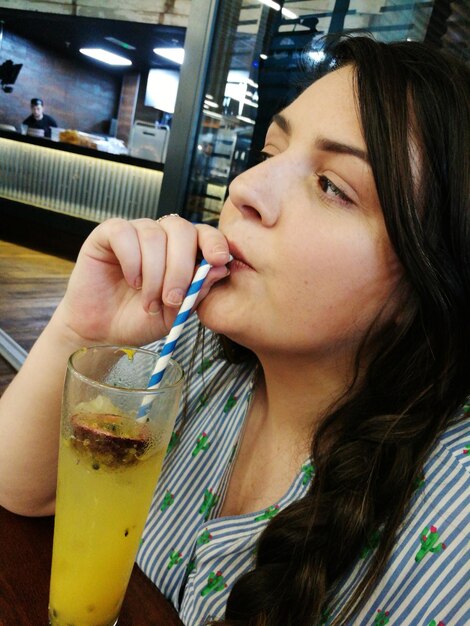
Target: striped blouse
194	556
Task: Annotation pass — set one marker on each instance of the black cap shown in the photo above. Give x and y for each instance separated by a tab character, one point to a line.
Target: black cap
36	101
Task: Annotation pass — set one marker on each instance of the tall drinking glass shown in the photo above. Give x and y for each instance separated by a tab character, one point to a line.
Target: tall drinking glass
114	434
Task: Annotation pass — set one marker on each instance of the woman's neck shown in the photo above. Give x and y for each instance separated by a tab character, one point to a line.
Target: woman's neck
292	395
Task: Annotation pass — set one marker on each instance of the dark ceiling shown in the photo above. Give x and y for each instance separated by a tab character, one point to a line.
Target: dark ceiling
67	34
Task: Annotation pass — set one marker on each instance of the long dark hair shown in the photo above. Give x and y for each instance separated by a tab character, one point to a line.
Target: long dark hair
369	450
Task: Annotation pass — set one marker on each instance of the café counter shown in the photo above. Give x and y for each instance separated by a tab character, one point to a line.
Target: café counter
25	562
75	180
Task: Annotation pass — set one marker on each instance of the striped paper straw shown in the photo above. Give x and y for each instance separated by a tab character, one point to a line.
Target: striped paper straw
175	332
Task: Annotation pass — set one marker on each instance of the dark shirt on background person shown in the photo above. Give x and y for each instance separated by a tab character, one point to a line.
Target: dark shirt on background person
38	119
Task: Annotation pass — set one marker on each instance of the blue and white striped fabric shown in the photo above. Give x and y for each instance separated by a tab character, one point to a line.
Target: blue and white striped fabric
194	556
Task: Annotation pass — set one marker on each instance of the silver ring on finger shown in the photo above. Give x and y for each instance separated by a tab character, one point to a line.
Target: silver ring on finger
165	216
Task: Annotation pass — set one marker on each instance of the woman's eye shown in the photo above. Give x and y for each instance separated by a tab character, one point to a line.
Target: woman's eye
332	191
263	156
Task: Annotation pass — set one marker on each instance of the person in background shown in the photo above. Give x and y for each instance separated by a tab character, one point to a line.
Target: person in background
319	469
38	119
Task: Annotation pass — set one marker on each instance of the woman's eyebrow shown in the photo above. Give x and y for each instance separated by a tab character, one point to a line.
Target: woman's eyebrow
323	143
329	145
283	123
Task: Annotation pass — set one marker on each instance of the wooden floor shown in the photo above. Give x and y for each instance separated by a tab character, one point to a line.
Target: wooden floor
32	283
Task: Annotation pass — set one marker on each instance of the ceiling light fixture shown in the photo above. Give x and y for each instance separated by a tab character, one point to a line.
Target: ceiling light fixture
271	4
172	54
104	56
277	7
290	14
242	118
217	116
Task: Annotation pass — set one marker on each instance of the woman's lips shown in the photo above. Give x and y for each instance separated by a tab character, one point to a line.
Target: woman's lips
237	264
239	261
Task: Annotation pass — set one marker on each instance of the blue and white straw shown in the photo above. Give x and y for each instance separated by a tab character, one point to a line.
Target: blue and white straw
175	332
178	324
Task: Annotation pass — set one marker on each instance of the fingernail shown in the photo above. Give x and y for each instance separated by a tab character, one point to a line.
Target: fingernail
174	297
154	308
138	282
221	251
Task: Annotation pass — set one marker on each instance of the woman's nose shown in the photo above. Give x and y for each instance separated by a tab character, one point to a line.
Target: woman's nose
256	195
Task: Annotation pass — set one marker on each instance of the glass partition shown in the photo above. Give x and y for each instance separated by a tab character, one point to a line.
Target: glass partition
89	82
257	64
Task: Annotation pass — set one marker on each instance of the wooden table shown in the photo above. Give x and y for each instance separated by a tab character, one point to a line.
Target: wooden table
25	562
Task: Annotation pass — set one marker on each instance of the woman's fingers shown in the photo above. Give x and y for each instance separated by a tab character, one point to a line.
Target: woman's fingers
159	257
213	245
152	242
181	251
215	274
181	244
116	242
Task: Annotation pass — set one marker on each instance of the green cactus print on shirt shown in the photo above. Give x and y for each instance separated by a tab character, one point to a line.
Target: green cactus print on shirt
174	441
205	365
429	538
202	444
270	512
174	559
308	470
372	542
167	501
419	482
204	538
231	402
203	400
210	500
381	618
215	582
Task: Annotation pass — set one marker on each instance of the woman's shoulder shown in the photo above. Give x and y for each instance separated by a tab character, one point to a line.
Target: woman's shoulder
454	442
426	577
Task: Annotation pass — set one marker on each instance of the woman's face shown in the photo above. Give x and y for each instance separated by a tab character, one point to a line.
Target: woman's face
313	265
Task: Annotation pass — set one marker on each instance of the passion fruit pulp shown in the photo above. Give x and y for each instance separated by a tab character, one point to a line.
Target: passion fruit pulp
109	439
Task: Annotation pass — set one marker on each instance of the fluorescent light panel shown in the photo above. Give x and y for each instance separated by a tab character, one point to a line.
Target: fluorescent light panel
173	54
277	7
217	116
104	56
289	14
272	5
245	119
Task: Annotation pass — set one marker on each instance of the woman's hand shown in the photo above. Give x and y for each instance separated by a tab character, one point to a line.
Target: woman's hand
131	278
126	288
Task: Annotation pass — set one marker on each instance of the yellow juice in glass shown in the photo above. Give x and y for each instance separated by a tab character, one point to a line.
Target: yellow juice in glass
108	469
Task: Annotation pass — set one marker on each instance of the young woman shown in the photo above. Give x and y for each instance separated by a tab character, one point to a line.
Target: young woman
332	483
